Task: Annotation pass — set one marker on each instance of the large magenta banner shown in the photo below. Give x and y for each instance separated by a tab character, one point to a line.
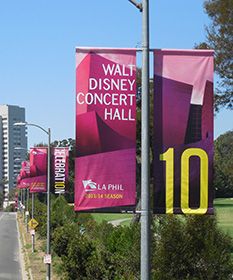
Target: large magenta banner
105	164
38	169
183	131
60	168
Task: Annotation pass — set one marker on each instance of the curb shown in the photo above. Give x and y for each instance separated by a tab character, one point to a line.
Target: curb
26	275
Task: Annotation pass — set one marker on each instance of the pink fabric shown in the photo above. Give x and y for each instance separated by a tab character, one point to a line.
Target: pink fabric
183	119
105	128
38	169
105	170
197	62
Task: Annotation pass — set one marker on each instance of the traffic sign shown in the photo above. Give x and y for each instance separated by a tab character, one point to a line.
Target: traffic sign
47	259
33	223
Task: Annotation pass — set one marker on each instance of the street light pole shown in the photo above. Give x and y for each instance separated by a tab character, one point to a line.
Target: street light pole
145	152
27	212
21	200
33	235
145	143
48	207
48	249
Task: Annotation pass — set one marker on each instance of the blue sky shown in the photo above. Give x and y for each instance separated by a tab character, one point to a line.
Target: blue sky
37	50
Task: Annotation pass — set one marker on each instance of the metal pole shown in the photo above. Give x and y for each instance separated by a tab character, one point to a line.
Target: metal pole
27	209
48	277
21	202
23	205
33	235
32	205
145	169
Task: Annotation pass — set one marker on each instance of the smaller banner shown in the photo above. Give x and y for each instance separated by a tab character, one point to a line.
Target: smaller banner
105	163
60	169
25	168
183	131
38	169
23	180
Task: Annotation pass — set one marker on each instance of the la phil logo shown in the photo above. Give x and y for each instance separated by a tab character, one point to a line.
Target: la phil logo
91	186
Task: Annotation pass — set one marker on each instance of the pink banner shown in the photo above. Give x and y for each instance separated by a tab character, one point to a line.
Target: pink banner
183	131
105	164
22	178
60	168
38	170
25	169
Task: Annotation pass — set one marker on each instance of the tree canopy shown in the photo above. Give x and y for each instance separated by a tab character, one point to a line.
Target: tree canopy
223	165
220	39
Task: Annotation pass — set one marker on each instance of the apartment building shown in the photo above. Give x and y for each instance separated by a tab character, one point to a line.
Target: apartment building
10	137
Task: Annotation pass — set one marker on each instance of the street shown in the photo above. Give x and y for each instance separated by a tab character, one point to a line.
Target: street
10	267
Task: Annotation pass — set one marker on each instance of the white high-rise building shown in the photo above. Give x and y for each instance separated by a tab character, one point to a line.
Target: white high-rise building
1	165
10	137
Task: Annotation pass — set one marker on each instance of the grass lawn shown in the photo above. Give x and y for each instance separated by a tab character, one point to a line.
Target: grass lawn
223	208
110	217
224	211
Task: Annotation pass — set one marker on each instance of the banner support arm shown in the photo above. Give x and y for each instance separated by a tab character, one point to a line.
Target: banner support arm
137	5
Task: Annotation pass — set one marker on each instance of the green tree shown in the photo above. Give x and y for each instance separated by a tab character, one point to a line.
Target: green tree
223	165
220	39
40	211
81	257
62	214
191	248
210	249
169	249
100	251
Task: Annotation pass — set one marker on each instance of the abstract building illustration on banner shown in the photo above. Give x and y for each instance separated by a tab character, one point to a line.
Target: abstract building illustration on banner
38	169
105	164
183	131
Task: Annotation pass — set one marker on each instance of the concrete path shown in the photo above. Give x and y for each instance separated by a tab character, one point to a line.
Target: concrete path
119	221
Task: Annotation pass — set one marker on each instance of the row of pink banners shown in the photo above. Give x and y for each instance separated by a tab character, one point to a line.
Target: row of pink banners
105	163
33	173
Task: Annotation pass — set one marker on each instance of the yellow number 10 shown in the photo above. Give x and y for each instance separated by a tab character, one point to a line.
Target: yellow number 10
168	156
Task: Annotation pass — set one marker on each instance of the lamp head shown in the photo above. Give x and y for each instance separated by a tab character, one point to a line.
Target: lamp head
20	123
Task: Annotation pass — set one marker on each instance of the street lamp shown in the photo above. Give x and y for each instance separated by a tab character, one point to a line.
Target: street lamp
48	250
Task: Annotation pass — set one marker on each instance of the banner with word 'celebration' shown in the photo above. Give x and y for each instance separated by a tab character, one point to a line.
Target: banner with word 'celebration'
38	169
105	164
183	131
60	168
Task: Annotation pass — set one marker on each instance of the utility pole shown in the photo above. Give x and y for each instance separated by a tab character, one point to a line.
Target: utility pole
27	212
33	235
145	143
48	250
145	150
